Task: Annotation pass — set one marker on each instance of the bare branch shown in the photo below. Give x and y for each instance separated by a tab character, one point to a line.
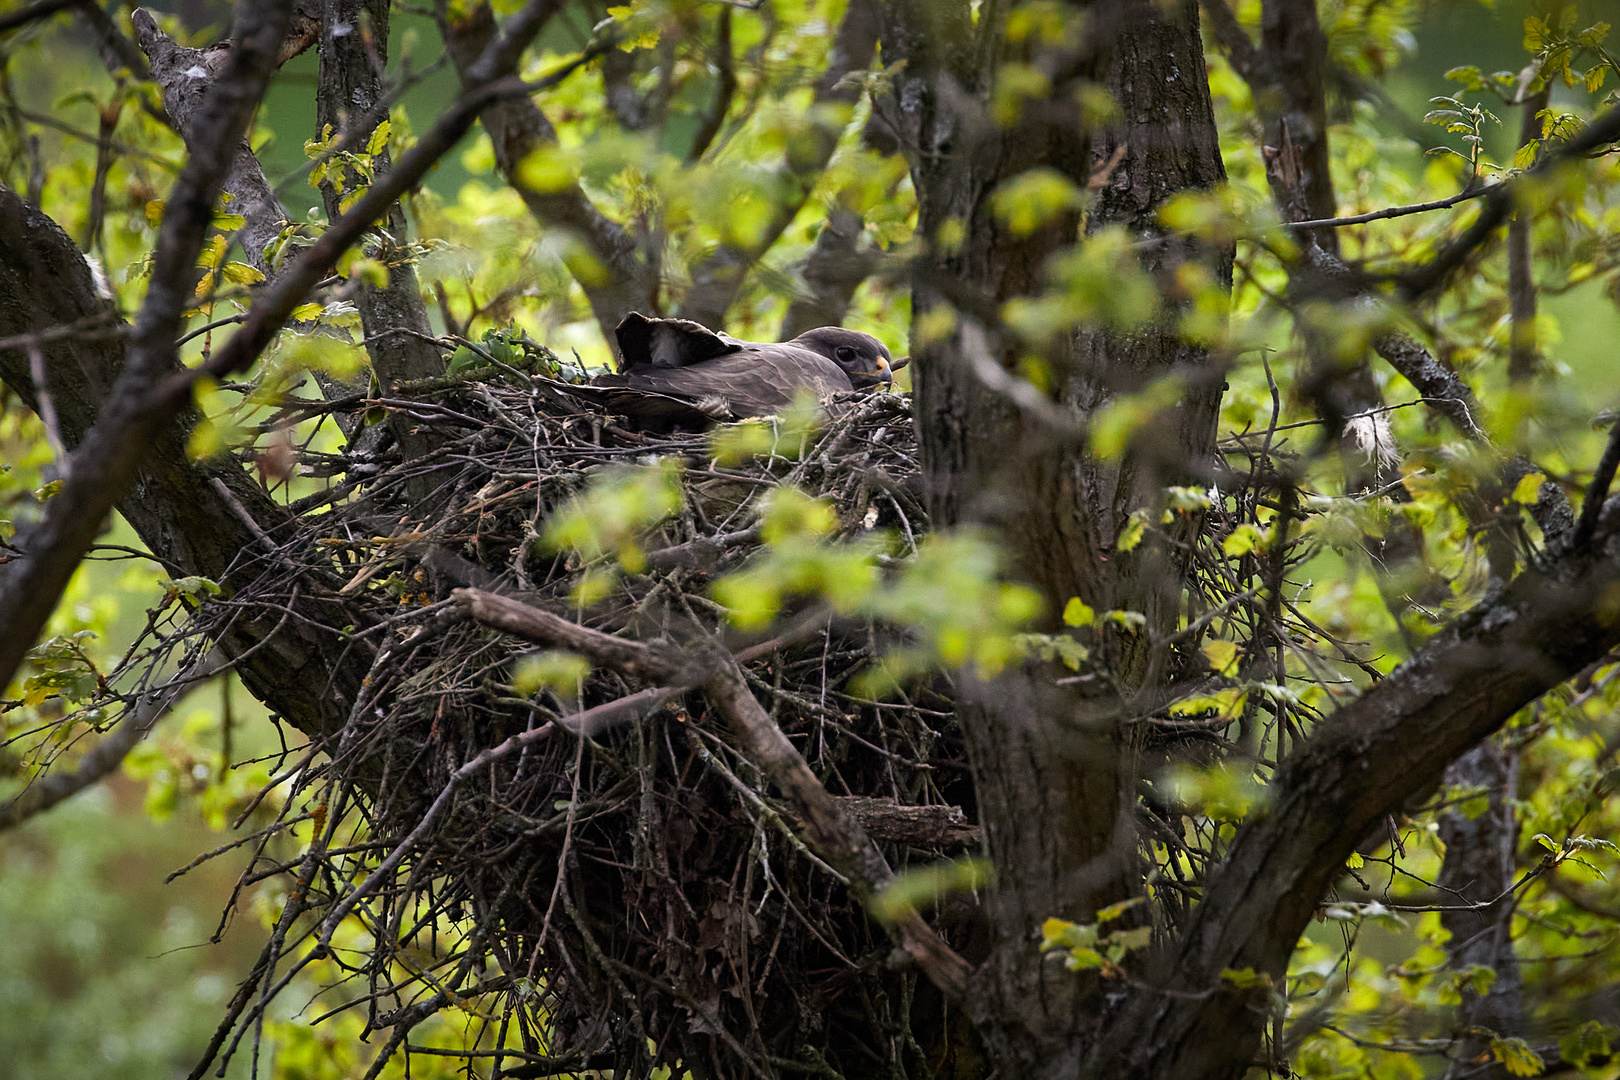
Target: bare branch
1419	282
116	48
1443	389
488	80
1390	211
589	722
352	98
1522	356
105	757
186	75
110	455
1361	764
542	627
43	9
725	88
832	271
1235	41
1598	492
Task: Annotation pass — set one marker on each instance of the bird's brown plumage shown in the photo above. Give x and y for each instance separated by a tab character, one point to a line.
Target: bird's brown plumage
676	373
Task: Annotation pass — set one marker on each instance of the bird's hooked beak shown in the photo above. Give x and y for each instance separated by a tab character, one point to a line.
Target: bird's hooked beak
880	374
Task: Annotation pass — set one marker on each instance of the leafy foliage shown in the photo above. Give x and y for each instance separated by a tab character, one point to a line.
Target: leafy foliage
1288	612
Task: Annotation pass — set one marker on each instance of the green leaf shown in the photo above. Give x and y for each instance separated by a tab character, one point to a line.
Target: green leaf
925	886
241	274
1133	532
1062	934
1589	1044
1528	490
1245	978
1035	199
1077	613
1121	942
370	271
1517	1057
193	588
1223	656
1114	911
379	138
553	670
1243	540
1083	959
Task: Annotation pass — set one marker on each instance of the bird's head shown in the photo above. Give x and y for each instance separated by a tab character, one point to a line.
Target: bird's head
862	356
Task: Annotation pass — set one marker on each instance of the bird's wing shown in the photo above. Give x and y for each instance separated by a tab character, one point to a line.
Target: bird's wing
668	343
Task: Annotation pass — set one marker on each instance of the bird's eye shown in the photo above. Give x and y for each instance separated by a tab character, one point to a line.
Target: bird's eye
845	354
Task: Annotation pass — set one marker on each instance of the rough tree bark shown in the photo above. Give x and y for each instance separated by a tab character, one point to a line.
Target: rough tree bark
109	458
173	504
1479	869
1052	769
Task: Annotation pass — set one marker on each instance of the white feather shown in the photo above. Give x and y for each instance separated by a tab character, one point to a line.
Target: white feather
1372	436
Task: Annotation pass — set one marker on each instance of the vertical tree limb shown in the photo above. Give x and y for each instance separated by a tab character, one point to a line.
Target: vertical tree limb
1051	766
1479	869
186	76
1522	352
606	262
151	392
173	504
724	89
398	337
832	272
717	279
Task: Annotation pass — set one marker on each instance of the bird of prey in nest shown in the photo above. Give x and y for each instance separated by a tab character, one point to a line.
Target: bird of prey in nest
674	373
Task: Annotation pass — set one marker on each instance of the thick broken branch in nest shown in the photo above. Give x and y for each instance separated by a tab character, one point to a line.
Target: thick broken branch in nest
923	826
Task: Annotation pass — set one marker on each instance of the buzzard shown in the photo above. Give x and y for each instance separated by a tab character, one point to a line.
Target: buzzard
674	373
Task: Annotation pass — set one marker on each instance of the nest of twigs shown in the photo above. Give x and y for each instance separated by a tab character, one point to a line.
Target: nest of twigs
641	897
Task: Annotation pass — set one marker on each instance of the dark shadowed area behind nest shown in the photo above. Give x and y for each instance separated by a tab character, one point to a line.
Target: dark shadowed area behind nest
640	898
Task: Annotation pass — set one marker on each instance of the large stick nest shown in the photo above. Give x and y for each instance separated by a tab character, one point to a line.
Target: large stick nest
641	897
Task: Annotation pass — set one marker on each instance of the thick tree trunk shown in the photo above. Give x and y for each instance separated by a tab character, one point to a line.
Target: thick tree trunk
1053	770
